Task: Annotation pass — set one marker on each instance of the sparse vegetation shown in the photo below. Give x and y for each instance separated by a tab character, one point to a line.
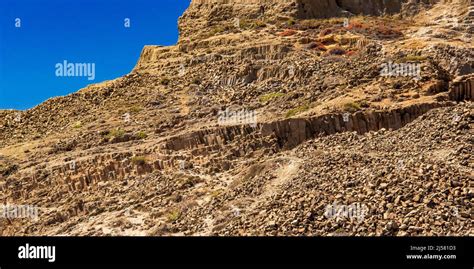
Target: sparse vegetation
297	110
77	125
351	107
356	25
364	103
270	96
251	25
218	30
141	135
337	21
327	40
191	160
174	215
309	24
291	22
135	109
376	27
139	160
116	133
387	31
216	193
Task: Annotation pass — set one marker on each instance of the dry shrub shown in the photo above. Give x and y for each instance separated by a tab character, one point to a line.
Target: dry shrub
357	25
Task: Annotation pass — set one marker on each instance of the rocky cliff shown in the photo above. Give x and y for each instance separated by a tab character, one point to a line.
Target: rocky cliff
204	13
258	126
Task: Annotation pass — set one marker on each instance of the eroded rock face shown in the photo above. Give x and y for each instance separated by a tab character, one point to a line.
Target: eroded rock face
147	154
203	13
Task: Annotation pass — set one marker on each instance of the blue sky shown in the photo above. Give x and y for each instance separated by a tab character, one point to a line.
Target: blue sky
78	31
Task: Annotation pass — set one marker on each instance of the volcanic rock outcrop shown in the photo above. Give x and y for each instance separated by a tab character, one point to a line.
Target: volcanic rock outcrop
204	13
266	118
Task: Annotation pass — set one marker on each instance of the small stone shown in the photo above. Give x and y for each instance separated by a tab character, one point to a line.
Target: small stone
271	224
391	226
